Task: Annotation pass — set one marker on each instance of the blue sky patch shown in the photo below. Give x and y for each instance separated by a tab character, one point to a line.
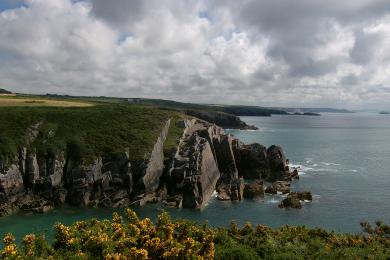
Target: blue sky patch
10	4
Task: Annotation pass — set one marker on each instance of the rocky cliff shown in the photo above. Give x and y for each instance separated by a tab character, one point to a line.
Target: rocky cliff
206	160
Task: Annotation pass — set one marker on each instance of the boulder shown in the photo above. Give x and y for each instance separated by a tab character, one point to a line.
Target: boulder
270	190
254	190
294	174
281	186
38	206
292	201
304	195
144	199
174	201
223	195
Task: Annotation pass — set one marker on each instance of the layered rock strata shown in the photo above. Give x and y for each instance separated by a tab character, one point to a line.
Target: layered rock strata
206	161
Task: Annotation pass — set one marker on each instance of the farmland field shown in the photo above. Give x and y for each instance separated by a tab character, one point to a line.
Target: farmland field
29	102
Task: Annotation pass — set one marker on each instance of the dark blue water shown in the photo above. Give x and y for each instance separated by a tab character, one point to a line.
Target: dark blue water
344	161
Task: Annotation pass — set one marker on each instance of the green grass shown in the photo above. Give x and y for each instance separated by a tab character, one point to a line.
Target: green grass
174	135
103	128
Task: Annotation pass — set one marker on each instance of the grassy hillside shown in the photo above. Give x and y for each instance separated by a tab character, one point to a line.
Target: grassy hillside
132	238
229	109
4	91
90	130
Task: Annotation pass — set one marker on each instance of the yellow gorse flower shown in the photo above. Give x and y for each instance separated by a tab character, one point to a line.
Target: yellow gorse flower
131	238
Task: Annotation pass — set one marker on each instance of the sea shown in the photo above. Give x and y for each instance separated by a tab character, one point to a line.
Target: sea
343	159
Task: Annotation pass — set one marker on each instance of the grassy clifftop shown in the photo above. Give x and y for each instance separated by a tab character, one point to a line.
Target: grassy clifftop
92	130
132	238
4	91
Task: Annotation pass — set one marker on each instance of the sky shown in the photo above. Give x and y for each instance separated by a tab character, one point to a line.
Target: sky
301	53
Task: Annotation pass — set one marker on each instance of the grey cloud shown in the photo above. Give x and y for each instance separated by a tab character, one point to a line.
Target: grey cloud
260	52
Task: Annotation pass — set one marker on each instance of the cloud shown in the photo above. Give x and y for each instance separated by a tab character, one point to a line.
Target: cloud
259	52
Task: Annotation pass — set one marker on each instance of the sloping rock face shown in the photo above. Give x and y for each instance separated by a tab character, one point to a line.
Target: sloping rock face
195	170
201	175
218	157
223	145
155	165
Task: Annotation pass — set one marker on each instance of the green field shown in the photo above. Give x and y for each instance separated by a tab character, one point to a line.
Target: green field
12	101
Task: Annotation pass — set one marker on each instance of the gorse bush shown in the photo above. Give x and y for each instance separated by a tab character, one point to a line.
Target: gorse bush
131	238
120	238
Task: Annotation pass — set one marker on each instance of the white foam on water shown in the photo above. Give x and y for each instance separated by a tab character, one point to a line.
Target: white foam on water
272	201
214	194
330	164
309	160
316	196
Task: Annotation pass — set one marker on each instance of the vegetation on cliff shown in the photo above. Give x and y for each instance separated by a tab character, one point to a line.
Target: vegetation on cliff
4	91
131	238
87	130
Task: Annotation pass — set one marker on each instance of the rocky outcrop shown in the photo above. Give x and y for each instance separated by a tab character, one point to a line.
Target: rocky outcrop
11	182
194	171
205	160
252	161
254	190
277	163
294	199
281	186
237	189
38	181
303	195
220	118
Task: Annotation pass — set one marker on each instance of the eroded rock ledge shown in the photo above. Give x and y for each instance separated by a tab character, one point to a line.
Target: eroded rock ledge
206	160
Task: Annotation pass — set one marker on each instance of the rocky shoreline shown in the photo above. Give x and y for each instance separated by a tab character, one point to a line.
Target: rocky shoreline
206	160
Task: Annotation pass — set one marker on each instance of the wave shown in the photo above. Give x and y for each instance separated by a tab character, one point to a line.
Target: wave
330	164
272	201
302	170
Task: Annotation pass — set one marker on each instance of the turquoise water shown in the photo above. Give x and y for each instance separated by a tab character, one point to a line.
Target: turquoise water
344	161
